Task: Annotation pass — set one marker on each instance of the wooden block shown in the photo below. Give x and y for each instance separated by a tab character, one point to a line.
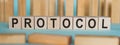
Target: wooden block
107	7
96	40
79	23
69	8
104	23
49	39
9	9
115	11
2	10
22	7
101	7
35	7
52	8
92	23
27	22
82	7
61	7
53	22
15	23
12	38
93	5
39	7
40	22
66	23
44	7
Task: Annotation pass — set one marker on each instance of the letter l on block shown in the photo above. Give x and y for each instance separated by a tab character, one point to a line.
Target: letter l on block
104	23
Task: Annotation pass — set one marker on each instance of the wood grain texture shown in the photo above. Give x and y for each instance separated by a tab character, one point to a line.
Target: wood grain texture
12	38
2	10
9	10
93	5
22	7
69	8
49	39
52	8
96	40
101	7
107	7
35	7
82	7
39	7
115	11
60	7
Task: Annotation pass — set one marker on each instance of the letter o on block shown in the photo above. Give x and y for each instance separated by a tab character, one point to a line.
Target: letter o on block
40	22
91	23
66	23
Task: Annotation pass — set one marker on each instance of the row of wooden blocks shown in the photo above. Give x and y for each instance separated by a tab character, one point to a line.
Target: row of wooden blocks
80	23
49	39
62	8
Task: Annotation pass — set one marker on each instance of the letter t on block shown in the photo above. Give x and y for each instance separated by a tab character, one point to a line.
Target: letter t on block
53	22
15	23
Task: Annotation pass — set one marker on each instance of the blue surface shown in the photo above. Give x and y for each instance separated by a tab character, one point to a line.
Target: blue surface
115	31
15	7
28	6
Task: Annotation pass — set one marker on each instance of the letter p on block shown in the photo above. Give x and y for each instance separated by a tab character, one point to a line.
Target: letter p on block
15	23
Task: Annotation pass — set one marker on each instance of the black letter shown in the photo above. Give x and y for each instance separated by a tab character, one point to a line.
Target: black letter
14	19
53	19
77	23
29	21
93	25
68	23
38	23
103	24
